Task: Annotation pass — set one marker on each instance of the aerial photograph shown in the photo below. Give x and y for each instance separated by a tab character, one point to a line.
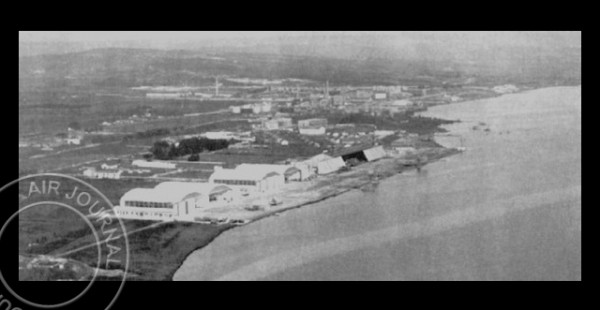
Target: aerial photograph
298	156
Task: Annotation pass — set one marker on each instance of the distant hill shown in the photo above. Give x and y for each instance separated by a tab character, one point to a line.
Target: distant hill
127	67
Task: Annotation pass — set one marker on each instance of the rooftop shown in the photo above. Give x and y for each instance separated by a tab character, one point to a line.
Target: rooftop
173	191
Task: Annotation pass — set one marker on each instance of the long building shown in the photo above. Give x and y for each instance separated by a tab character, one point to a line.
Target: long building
153	164
172	201
289	172
249	178
312	123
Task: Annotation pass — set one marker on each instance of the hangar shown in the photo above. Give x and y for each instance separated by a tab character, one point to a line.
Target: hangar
362	153
171	200
249	178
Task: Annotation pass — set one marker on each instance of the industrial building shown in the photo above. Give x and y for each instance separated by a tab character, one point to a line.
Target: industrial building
361	153
330	165
249	178
323	164
289	172
172	201
313	162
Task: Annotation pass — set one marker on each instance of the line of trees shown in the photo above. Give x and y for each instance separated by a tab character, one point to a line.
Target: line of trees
164	150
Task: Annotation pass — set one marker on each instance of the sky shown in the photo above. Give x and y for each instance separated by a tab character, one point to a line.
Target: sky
166	37
150	37
323	41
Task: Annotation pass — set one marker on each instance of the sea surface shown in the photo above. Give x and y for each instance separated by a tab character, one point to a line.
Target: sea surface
509	208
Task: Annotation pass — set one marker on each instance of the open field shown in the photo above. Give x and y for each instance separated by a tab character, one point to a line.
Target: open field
52	111
77	157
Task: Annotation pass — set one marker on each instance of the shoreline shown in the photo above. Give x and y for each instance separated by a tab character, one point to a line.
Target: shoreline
181	249
392	166
360	182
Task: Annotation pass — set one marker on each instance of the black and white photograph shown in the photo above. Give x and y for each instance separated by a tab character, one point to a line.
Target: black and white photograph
295	156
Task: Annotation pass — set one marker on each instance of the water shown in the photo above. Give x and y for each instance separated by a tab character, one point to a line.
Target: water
507	209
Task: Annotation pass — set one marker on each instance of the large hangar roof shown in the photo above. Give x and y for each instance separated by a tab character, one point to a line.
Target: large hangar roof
202	188
153	195
248	172
173	191
267	168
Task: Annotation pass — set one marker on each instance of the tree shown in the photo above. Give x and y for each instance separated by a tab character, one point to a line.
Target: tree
161	149
194	157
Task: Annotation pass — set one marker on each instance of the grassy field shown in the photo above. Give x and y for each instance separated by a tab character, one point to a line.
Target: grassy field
52	110
155	254
56	162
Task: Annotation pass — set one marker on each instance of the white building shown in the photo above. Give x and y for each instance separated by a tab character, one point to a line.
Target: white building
330	165
103	173
249	178
289	172
109	167
375	153
313	162
153	164
380	95
235	109
312	122
318	131
215	135
172	201
164	95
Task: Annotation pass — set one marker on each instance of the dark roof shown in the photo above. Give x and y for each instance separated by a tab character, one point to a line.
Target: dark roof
352	149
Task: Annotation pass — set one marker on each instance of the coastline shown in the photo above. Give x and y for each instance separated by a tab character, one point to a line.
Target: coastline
157	253
359	177
354	179
494	158
324	188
